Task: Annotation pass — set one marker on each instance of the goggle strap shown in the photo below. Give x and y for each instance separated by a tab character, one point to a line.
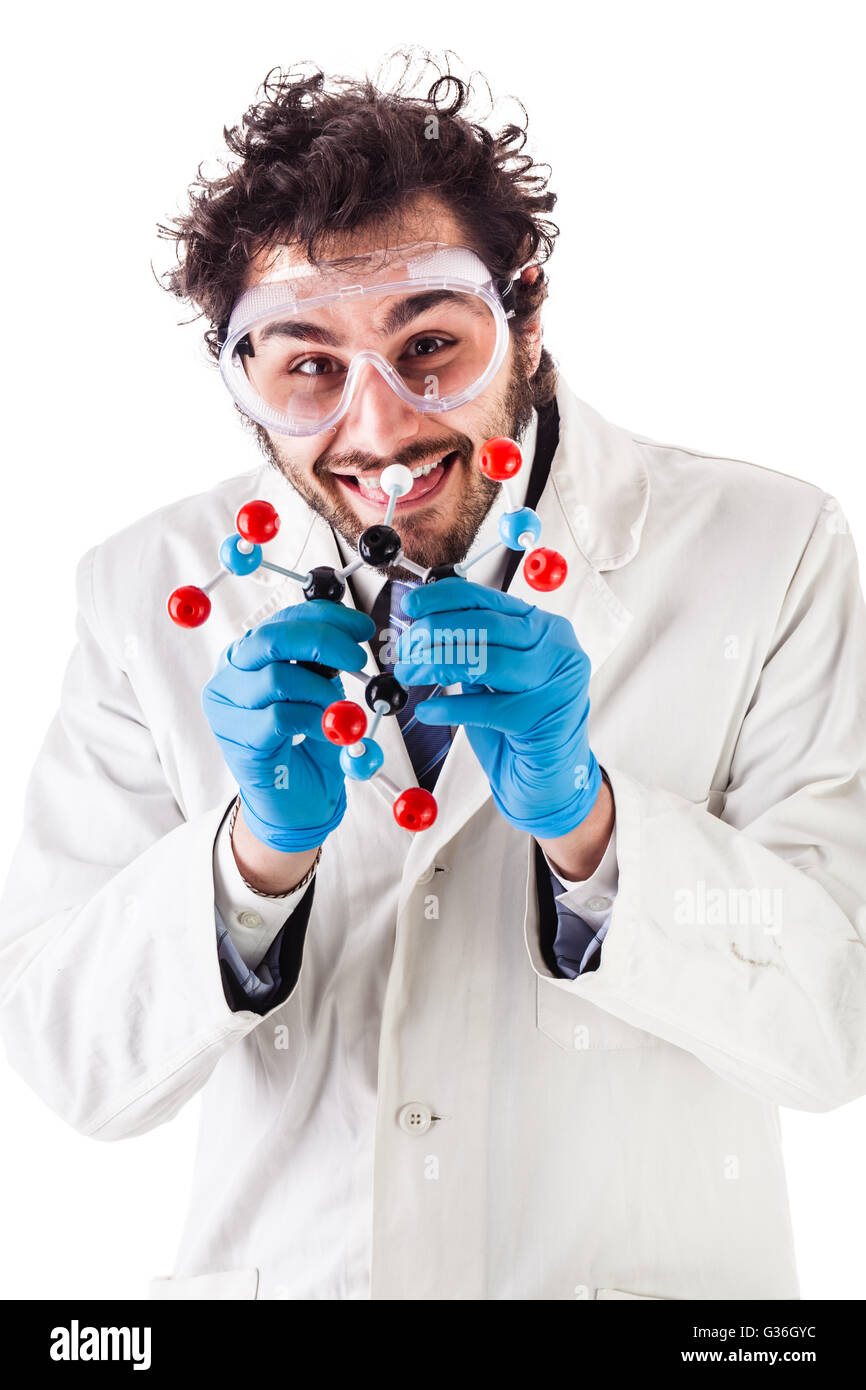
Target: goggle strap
244	347
505	290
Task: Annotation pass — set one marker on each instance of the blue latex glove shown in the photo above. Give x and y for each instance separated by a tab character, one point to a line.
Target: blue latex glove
525	704
293	794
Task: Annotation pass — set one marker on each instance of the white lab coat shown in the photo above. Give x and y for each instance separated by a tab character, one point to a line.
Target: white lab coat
612	1136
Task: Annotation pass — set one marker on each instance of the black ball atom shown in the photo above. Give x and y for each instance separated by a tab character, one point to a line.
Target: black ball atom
439	572
386	687
379	545
324	582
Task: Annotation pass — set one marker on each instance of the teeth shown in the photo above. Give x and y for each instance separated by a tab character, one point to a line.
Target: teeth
421	471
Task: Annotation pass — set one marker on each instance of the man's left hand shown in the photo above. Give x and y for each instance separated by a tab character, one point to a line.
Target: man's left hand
525	705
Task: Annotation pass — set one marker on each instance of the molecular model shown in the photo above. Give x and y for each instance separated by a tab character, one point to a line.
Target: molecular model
344	722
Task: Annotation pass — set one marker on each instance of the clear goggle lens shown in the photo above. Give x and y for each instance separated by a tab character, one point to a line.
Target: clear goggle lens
295	363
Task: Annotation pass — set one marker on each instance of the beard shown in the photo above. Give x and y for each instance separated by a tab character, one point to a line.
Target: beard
425	539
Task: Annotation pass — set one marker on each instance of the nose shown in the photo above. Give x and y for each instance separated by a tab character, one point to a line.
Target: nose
377	421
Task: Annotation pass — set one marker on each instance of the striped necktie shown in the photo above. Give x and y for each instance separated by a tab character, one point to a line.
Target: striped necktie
426	744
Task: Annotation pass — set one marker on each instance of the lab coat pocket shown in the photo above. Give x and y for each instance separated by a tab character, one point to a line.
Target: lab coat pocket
578	1026
229	1283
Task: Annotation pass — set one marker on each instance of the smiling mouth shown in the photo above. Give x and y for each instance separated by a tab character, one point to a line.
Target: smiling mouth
430	478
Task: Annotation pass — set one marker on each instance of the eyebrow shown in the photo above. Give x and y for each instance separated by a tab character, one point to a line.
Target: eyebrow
296	328
398	316
407	309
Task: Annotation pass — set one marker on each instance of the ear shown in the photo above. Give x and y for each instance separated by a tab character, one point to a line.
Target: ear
532	328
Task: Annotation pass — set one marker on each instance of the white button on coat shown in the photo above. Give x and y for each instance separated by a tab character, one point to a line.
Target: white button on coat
250	919
415	1118
598	904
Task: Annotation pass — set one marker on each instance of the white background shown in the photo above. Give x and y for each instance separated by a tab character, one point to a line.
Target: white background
708	291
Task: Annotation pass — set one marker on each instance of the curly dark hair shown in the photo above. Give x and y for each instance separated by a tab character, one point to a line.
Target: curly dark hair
318	155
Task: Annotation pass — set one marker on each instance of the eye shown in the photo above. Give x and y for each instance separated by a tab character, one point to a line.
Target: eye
428	344
314	366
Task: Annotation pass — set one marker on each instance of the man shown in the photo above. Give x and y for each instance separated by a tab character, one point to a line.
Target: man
536	1050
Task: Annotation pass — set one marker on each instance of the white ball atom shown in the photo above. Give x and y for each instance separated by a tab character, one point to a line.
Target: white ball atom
396	478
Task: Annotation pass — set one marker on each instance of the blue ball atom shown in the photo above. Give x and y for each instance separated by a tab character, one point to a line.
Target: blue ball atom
239	561
514	524
366	763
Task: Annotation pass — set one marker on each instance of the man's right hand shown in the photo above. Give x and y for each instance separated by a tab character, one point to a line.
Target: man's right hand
258	700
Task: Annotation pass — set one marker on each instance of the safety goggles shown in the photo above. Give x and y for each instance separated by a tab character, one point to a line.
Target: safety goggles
429	318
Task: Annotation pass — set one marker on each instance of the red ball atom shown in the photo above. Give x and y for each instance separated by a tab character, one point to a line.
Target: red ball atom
415	809
189	606
344	722
500	459
258	522
544	569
